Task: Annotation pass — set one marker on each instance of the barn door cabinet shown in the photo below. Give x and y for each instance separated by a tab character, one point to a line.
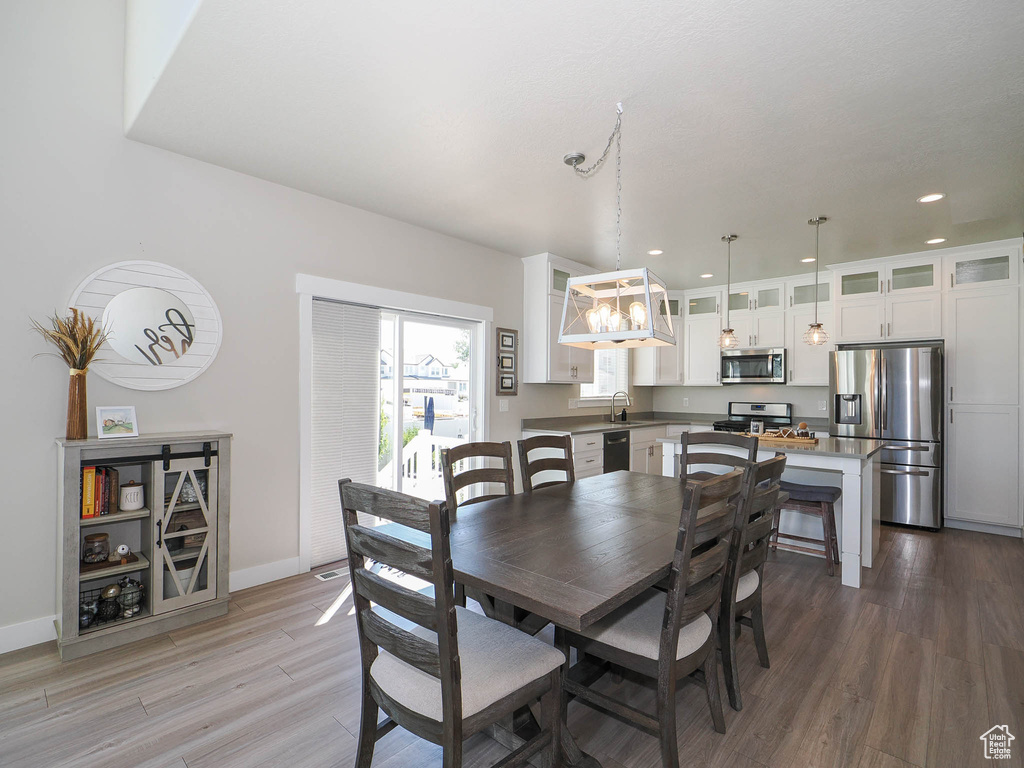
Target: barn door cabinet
178	539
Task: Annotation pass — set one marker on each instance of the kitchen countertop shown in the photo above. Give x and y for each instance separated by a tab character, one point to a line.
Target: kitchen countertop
578	425
843	447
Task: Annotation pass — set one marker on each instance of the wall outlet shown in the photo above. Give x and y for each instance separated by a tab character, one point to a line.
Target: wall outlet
686	401
574	403
822	405
503	406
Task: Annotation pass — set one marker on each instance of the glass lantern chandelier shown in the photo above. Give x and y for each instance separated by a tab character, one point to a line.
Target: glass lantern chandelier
620	309
728	339
815	335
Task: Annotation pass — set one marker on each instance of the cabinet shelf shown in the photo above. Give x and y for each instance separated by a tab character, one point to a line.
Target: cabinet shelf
117	517
141	564
189	553
143	614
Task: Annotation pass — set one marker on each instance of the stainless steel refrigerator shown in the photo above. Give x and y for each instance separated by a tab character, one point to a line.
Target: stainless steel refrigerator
894	393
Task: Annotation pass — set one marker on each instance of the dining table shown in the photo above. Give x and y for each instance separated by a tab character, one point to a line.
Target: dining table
571	553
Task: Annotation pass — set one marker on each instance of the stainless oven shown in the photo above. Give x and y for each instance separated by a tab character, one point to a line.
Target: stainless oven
754	366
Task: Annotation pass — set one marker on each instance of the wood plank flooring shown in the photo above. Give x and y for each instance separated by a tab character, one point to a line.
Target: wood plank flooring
907	672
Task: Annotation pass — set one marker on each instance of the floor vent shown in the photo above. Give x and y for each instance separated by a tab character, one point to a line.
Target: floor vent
328	575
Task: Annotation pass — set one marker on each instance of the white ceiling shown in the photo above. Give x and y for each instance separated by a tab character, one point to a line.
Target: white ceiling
740	116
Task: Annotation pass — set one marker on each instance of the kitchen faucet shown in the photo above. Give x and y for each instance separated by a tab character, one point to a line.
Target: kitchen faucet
628	404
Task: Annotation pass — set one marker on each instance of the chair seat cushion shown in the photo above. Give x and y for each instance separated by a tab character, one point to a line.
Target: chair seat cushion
747	586
497	660
827	493
636	628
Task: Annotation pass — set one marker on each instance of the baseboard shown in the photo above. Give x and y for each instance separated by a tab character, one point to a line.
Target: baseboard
970	525
15	636
261	574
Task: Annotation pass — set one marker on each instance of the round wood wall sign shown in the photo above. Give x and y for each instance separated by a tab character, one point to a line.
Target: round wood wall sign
164	328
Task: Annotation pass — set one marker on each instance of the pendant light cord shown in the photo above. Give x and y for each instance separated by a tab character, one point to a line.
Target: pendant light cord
616	137
817	229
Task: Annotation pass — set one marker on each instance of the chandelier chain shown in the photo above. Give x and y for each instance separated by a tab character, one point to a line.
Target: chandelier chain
616	138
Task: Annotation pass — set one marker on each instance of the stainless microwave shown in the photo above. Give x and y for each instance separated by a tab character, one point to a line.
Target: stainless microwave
754	366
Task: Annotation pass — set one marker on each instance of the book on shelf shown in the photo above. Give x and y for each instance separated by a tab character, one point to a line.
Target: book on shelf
88	492
113	491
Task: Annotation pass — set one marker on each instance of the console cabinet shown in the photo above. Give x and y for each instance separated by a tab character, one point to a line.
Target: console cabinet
177	572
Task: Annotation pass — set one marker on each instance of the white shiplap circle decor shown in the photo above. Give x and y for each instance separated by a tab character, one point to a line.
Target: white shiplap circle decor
167	326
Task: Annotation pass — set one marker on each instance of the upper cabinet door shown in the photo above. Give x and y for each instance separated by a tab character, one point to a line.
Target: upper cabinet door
859	283
917	276
560	360
917	316
769	296
982	336
983	269
808	365
704	303
741	299
701	353
802	294
770	330
860	320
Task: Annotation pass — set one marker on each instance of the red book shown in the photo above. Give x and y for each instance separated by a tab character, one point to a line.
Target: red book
89	492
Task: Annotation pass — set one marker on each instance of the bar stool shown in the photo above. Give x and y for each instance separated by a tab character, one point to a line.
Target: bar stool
817	501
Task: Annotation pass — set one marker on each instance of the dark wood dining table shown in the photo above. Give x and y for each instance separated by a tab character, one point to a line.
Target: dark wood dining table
569	553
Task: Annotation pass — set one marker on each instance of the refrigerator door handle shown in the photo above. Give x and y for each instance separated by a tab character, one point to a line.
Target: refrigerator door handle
885	386
904	448
915	472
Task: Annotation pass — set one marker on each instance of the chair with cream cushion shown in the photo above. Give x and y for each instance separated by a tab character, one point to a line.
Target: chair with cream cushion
669	635
436	669
744	574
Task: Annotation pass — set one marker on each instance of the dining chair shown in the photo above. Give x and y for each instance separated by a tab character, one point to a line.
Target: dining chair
437	669
547	462
458	476
706	448
744	574
668	636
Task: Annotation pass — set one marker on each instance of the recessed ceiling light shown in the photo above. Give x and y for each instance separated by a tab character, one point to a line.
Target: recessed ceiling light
808	260
936	240
931	198
706	275
655	252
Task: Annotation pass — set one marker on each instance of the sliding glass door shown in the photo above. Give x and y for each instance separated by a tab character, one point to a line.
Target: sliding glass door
427	400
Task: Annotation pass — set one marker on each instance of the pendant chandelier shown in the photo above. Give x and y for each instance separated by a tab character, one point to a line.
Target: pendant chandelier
815	335
728	339
620	309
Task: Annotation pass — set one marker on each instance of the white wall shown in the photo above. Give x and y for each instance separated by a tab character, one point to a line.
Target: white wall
716	399
75	195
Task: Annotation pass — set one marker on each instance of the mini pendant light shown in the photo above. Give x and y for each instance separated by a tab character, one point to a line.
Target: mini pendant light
728	339
815	335
624	308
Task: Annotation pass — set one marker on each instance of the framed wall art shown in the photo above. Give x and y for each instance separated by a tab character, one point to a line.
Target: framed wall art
508	361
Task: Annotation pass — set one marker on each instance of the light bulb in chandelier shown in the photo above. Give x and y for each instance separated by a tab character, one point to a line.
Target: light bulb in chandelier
638	315
815	335
614	320
728	339
594	320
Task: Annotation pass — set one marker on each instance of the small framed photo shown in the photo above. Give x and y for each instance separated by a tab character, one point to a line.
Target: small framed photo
756	427
116	421
506	340
506	362
507	384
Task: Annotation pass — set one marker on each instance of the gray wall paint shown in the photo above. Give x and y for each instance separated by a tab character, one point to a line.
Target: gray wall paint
77	195
716	399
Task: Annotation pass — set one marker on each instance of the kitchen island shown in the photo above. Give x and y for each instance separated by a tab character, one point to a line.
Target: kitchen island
856	461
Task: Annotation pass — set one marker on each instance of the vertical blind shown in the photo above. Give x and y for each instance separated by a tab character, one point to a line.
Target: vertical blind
345	414
611	373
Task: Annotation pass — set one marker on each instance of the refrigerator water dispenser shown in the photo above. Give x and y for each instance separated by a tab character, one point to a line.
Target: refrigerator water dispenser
847	409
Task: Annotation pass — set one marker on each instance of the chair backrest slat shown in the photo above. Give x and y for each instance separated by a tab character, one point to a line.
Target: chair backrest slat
410	648
432	645
396	598
456	481
564	463
391	551
706	449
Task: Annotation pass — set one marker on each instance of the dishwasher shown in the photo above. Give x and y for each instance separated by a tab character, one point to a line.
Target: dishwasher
616	451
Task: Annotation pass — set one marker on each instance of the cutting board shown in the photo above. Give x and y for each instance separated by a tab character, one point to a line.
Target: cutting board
792	442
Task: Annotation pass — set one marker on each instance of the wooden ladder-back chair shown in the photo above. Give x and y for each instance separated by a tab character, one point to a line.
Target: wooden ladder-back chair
455	481
706	448
668	636
547	463
445	673
744	575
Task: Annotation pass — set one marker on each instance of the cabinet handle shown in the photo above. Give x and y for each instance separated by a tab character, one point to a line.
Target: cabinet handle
791	301
888	329
159	533
755	339
755	303
951	394
881	330
718	375
750	340
790	374
880	286
950	279
750	304
590	461
950	415
888	285
718	309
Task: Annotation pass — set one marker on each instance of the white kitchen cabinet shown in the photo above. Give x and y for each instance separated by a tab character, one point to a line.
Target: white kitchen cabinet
917	275
645	451
543	359
982	343
982	478
702	303
913	316
702	357
662	366
756	329
808	365
860	319
800	291
858	282
984	268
